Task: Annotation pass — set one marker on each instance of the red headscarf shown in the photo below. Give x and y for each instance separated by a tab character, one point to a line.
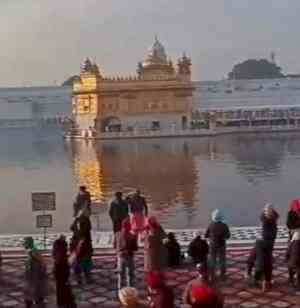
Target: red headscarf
294	206
153	223
154	280
203	295
126	225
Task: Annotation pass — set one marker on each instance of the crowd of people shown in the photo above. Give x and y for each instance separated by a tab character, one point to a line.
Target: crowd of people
132	225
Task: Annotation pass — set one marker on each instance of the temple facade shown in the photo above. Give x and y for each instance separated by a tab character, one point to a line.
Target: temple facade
158	97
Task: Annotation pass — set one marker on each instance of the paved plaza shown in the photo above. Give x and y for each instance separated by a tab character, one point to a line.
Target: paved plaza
102	293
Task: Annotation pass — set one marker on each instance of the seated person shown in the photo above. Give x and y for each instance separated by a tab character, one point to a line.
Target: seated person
262	260
198	250
174	252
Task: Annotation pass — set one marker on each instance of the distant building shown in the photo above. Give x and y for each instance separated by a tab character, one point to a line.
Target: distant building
160	96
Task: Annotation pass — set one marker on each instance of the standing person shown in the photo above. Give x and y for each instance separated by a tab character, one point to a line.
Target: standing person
198	250
85	225
174	251
269	218
61	271
138	210
160	296
217	233
35	275
126	244
118	211
262	260
293	217
60	247
198	293
293	260
155	252
83	200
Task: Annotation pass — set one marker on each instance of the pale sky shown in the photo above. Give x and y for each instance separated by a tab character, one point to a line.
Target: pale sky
46	40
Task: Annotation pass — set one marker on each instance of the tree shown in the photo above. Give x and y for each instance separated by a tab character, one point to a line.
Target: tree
255	69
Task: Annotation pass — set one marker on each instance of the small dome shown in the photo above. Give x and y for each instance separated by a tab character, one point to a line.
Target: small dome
157	54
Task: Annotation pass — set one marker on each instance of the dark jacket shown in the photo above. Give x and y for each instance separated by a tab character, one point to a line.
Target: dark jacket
126	244
174	253
198	249
163	298
269	226
261	255
118	210
218	233
85	227
293	220
293	255
60	249
83	200
138	204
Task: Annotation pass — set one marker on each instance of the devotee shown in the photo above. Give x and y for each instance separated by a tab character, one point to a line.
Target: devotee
83	200
198	250
138	210
269	218
293	217
155	252
35	289
129	298
293	259
85	225
262	260
118	211
160	296
126	244
60	247
211	297
174	251
217	233
61	271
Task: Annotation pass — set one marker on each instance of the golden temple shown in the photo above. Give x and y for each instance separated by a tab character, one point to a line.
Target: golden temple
158	97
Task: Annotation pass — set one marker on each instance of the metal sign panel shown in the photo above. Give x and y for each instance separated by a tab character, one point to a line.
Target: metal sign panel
44	221
43	201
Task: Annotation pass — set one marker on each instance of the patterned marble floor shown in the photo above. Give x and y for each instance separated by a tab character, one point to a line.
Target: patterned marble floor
243	235
102	292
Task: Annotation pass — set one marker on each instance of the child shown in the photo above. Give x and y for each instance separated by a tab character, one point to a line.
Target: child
126	244
261	258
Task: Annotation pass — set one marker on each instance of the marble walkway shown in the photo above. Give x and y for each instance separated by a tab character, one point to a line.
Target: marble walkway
239	236
102	293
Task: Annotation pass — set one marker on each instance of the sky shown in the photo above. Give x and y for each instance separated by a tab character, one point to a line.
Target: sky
44	41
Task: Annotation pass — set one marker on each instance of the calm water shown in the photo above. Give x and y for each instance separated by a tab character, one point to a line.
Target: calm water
183	179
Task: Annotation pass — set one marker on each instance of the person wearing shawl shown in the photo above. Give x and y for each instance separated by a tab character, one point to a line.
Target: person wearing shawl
293	217
217	233
155	252
269	218
126	245
293	259
129	298
174	250
160	296
35	289
61	271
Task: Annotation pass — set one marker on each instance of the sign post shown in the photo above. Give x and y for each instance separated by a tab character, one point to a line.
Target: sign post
43	202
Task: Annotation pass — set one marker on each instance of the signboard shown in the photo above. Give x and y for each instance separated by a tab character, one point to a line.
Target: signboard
44	221
43	201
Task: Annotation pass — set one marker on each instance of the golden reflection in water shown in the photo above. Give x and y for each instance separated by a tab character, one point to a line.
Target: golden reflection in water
88	169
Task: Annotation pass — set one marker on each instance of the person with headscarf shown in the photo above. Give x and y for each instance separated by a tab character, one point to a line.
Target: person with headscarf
61	272
293	259
160	295
174	251
293	217
198	292
126	245
138	211
217	233
155	252
129	298
269	218
261	259
35	275
198	250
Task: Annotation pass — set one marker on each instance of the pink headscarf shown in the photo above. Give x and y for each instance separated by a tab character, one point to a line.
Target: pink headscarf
152	223
294	206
